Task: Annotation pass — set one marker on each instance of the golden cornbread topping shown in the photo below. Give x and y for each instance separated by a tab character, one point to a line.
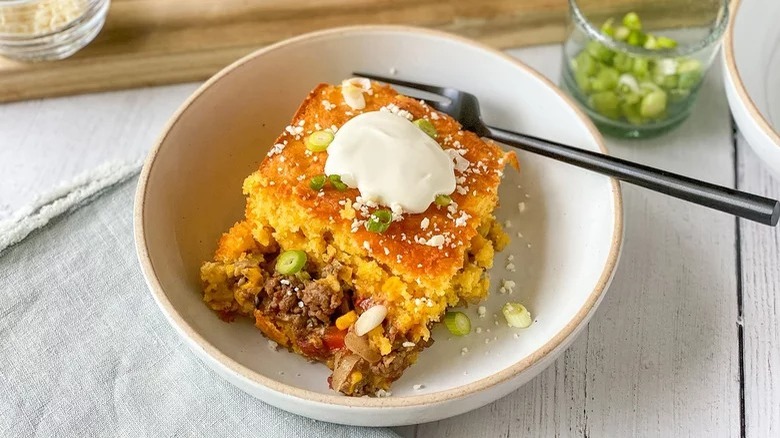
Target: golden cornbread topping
324	260
390	161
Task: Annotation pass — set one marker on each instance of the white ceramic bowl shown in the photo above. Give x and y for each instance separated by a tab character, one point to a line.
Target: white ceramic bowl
190	192
751	58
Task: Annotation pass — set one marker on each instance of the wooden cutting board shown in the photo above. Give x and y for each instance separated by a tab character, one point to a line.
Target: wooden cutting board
155	42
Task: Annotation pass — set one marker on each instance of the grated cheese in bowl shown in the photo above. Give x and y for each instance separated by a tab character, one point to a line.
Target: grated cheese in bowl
41	17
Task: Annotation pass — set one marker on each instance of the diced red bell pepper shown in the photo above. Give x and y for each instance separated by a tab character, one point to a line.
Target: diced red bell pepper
334	338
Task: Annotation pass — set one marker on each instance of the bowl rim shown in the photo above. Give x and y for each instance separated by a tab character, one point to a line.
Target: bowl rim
736	78
255	378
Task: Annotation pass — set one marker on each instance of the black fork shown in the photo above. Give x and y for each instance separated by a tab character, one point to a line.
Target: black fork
464	107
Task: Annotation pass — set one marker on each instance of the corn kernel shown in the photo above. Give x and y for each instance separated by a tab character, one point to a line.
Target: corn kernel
356	377
344	321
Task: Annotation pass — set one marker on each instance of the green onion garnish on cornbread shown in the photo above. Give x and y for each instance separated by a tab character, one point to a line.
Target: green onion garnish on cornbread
371	216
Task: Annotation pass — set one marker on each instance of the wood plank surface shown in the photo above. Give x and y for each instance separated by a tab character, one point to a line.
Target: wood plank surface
153	42
660	357
760	258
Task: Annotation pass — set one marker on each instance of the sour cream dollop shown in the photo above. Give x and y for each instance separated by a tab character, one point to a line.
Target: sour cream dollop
390	161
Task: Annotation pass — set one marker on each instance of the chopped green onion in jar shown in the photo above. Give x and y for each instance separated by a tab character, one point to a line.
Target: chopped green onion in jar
636	87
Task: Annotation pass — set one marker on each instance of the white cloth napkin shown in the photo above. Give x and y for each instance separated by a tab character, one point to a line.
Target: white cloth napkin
85	352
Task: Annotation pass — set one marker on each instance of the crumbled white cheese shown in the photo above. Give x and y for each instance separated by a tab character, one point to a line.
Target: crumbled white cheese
395	109
437	240
463	351
481	310
276	149
408	344
462	220
397	212
382	393
272	345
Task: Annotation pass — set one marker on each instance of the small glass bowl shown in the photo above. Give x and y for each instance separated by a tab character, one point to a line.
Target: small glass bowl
640	77
43	30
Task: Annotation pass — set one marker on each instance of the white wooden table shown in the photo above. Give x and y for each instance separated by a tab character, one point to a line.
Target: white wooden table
686	342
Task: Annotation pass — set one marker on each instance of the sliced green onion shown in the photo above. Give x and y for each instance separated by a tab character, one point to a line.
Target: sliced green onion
335	181
627	84
316	183
290	262
623	62
637	89
427	127
443	200
648	87
651	43
584	81
457	323
622	33
636	38
318	141
607	28
599	51
666	81
631	21
653	105
641	68
516	315
586	64
666	42
379	221
606	103
689	66
605	80
631	112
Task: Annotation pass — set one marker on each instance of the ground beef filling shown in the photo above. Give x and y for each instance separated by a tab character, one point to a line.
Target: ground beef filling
309	307
305	304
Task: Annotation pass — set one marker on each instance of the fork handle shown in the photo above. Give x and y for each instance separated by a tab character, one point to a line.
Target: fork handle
745	205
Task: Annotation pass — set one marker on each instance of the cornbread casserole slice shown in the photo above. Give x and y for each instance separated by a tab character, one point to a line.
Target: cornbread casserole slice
407	274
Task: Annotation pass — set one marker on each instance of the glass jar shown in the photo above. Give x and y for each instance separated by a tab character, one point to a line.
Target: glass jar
637	72
40	30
